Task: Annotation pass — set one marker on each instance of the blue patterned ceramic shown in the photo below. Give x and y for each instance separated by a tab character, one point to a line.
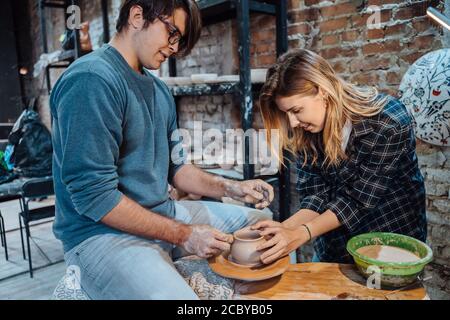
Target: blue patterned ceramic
425	91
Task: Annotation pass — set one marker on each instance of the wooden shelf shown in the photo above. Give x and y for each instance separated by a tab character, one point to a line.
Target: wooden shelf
210	89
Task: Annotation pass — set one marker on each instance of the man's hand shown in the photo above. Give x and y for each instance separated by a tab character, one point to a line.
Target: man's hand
206	242
256	192
282	239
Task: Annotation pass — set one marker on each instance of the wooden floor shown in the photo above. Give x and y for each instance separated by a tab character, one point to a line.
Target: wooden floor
47	258
41	287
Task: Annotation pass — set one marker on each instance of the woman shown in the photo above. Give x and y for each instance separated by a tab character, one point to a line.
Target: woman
356	161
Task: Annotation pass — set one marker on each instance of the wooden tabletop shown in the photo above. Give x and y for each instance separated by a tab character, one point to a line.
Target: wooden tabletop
321	281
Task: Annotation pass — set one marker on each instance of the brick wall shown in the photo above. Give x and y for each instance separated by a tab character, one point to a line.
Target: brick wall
435	166
338	31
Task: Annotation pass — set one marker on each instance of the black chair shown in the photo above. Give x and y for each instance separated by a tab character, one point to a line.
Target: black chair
31	191
5	198
3	235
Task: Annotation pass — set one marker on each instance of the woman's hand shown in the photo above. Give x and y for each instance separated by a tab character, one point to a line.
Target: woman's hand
283	240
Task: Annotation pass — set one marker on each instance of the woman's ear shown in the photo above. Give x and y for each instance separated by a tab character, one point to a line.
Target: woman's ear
324	97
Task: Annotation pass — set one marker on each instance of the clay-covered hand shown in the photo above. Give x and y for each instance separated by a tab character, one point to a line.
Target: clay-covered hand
206	242
281	239
256	192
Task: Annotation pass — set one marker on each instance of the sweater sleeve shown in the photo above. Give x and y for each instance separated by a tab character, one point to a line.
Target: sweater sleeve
90	120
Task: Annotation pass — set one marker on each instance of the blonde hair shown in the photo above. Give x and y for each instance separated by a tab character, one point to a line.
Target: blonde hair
303	72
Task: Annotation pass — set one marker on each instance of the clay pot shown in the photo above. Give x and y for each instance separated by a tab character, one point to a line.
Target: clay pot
243	248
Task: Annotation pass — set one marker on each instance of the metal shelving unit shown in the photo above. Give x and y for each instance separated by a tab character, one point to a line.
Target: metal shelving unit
214	11
210	89
67	56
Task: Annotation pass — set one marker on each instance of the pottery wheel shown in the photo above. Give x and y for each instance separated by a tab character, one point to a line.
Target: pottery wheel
228	269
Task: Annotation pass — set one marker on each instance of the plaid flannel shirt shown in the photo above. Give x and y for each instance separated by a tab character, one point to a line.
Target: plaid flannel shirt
378	188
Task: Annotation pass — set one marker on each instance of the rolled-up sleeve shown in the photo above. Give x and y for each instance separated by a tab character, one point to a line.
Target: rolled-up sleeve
312	188
371	179
315	203
90	135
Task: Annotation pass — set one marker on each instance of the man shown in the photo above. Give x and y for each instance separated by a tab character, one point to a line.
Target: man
113	123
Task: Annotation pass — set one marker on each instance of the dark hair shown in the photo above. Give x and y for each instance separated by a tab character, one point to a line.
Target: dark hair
152	9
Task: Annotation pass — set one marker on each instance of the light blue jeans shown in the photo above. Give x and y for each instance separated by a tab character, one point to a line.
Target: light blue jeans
123	266
315	258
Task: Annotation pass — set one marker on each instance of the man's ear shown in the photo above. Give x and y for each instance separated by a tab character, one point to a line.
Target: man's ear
136	18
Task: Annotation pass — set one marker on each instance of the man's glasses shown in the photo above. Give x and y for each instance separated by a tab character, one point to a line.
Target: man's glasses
175	35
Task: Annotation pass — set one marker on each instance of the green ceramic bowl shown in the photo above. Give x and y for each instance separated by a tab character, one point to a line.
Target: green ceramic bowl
393	274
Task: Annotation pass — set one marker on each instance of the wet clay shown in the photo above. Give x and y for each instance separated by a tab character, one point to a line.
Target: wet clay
388	253
243	249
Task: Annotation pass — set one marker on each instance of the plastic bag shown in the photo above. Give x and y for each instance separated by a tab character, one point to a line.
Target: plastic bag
31	145
44	60
7	157
6	175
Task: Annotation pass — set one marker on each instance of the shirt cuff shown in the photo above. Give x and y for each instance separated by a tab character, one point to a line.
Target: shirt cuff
346	212
314	203
173	171
109	200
